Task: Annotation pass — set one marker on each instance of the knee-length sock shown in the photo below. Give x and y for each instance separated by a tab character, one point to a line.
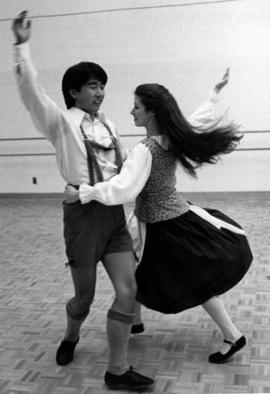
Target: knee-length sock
118	332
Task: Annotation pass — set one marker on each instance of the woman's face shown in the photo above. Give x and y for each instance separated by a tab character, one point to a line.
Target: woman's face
142	117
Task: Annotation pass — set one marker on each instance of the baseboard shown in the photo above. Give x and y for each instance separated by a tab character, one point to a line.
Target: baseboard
56	196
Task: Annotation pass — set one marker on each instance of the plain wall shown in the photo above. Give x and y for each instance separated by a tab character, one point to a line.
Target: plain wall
180	44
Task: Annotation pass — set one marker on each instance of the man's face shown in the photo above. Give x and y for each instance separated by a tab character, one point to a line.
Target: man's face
90	96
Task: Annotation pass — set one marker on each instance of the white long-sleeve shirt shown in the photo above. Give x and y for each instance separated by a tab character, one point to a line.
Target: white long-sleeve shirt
62	127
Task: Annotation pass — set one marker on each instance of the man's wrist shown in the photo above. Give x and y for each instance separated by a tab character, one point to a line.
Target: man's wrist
20	41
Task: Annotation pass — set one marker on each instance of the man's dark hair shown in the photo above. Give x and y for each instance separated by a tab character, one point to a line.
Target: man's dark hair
78	75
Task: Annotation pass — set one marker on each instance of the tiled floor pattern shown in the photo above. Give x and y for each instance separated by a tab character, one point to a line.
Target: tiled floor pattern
34	286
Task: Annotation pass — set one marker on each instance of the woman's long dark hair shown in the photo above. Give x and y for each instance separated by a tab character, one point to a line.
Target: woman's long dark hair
191	146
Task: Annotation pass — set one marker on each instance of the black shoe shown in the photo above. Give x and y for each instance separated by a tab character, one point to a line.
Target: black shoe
128	380
137	328
64	354
219	358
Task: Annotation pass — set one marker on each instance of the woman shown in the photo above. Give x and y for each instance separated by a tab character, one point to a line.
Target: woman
190	255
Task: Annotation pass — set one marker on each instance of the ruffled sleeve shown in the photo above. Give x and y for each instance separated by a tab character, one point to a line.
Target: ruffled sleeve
208	115
125	186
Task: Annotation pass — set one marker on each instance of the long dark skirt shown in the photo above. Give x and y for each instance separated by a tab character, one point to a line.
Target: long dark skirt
187	260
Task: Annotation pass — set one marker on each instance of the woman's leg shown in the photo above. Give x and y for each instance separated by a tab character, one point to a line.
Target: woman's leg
138	314
138	326
217	311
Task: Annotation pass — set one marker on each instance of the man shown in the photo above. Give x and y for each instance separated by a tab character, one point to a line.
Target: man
87	150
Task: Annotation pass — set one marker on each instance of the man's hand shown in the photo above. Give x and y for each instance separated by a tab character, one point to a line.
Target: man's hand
224	81
71	194
21	27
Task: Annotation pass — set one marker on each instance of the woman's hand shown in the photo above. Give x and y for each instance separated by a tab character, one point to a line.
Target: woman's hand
71	194
224	81
21	27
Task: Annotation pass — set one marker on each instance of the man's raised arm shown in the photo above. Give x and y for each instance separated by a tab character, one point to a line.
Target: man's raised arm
45	114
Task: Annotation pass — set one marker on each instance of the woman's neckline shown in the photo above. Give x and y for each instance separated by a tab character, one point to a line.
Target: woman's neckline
161	140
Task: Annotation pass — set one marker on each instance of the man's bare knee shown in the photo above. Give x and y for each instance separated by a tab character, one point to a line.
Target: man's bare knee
78	308
127	294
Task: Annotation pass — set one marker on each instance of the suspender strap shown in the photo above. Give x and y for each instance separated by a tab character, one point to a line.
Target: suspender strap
93	165
118	156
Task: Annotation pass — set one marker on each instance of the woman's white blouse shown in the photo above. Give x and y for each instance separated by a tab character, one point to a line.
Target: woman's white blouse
208	115
127	185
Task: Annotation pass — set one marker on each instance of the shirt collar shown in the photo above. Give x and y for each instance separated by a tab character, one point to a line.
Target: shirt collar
78	115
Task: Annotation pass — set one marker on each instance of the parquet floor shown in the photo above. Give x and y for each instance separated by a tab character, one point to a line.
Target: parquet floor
34	286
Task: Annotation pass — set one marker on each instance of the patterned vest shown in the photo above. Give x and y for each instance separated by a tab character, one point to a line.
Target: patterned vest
159	199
